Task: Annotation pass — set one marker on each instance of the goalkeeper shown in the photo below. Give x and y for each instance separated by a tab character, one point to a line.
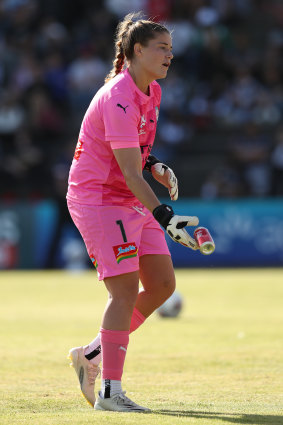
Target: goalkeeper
117	212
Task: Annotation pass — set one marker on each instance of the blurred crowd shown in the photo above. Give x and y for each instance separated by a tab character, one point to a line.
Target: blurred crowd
220	124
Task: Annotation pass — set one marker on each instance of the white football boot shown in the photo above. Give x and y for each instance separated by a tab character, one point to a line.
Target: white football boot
87	373
118	403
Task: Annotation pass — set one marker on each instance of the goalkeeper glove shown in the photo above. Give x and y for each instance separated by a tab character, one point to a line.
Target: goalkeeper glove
158	169
174	225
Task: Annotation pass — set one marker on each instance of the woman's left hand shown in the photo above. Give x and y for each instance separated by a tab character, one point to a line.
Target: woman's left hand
164	175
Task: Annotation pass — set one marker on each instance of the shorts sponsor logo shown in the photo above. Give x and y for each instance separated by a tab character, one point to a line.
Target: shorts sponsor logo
79	149
93	260
125	250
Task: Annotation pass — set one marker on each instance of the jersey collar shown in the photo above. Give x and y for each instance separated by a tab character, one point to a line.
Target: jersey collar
133	85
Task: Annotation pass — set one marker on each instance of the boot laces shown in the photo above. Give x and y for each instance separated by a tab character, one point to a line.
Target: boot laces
92	372
122	399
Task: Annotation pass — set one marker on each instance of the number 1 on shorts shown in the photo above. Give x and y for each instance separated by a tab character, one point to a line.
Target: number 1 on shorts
120	223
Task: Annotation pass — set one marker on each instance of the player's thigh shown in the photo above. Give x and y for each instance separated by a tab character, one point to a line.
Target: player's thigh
111	235
157	273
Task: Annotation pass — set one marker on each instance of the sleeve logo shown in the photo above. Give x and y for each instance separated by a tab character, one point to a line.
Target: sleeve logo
124	251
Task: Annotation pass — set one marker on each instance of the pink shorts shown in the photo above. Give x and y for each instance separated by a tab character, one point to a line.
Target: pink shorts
116	236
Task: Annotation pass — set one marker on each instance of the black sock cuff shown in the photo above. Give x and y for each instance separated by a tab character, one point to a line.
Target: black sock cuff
107	390
94	353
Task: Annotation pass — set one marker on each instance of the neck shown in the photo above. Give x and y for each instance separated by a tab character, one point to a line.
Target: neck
141	80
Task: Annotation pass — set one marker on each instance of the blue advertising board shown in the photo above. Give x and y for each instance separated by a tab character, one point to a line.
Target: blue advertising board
246	233
26	231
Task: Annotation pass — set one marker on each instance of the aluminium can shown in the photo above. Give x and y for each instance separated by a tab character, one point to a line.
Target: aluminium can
204	240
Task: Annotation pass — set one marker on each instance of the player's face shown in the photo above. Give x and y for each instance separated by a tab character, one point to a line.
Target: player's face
155	58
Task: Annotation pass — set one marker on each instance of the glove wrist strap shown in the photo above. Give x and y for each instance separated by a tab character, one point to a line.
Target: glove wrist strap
151	160
163	214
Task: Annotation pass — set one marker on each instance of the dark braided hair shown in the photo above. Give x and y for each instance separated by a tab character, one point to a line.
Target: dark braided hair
130	31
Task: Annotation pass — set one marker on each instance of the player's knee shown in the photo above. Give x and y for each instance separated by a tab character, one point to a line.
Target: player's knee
126	298
168	287
126	304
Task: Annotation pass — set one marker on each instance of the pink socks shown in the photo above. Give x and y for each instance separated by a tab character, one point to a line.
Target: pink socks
93	350
137	320
114	347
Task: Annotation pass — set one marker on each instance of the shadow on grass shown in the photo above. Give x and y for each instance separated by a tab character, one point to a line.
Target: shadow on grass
235	418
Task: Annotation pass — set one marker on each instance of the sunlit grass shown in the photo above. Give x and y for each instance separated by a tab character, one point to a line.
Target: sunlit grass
220	362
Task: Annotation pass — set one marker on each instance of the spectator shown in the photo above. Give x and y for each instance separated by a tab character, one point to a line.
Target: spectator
250	155
85	75
225	75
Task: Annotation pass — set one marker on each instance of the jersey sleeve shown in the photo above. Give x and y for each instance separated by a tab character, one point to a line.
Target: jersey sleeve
120	122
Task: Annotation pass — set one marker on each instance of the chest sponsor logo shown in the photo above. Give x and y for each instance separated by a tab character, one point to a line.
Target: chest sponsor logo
125	250
142	125
79	149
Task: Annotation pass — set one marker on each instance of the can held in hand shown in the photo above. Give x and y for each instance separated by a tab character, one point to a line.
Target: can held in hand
204	240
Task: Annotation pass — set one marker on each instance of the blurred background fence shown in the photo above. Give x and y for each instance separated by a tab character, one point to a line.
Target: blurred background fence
220	125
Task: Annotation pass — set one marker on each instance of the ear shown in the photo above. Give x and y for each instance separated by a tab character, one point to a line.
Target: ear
138	49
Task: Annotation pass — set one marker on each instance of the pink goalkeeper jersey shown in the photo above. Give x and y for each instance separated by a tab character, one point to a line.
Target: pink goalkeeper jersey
119	116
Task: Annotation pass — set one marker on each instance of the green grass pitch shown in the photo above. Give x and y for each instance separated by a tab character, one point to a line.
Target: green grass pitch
220	362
